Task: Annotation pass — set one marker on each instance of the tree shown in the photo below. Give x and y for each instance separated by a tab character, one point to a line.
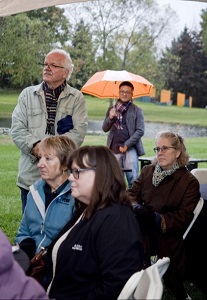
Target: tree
112	34
54	21
125	33
20	49
203	24
83	55
184	66
24	43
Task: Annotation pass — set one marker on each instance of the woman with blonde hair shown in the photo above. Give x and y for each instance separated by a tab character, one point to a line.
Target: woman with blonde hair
49	202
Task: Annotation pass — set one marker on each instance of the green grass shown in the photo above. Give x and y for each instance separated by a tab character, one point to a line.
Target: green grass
152	112
7	104
10	203
174	114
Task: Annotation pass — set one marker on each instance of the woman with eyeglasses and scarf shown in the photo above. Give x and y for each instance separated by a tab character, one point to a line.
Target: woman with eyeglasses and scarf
101	248
164	196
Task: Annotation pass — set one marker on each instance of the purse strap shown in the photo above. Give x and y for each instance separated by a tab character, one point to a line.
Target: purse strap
56	247
38	201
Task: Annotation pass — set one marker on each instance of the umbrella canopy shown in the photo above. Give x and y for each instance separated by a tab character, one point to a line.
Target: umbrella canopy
105	84
10	7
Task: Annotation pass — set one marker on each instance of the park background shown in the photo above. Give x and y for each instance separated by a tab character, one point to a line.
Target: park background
96	36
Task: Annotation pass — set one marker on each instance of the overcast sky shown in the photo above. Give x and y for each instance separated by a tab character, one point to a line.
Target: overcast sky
188	12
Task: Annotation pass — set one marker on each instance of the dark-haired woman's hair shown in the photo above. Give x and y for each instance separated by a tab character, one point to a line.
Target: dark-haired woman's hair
109	184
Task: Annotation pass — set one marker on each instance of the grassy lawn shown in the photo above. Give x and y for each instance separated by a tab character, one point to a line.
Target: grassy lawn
7	104
152	112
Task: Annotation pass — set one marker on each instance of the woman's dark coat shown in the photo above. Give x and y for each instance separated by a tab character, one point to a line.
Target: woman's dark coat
98	256
175	198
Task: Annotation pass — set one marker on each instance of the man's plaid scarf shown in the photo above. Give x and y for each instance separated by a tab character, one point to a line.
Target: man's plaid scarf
120	108
51	98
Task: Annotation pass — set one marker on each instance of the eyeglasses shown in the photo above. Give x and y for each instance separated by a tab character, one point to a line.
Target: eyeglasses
51	66
76	172
163	149
125	92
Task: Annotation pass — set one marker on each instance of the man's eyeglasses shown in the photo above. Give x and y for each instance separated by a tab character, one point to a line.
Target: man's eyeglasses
163	149
125	92
76	172
51	66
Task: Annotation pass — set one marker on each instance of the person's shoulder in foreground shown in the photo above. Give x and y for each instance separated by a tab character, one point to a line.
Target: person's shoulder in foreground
14	284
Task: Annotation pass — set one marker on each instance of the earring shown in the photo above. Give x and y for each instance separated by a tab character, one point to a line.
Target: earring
65	171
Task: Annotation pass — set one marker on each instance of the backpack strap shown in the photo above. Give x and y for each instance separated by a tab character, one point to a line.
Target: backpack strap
38	201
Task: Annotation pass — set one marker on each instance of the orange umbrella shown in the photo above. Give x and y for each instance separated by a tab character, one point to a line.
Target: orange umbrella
105	84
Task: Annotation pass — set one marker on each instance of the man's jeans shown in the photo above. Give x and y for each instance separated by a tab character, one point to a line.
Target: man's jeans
24	198
129	160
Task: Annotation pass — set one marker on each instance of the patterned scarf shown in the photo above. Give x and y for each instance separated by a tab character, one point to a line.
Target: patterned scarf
159	174
51	97
120	108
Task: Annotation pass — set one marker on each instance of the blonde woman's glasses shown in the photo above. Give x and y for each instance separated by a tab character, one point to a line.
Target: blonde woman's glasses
163	149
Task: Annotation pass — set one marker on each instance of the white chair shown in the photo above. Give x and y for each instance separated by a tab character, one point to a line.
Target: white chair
200	174
146	284
150	285
162	265
196	213
130	286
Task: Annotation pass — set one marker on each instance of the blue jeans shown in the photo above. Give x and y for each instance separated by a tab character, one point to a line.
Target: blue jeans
24	198
129	160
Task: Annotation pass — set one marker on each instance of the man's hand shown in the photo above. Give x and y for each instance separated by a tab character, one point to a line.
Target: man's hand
123	149
112	113
35	150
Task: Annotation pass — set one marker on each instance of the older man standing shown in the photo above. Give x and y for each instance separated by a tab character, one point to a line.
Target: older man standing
50	108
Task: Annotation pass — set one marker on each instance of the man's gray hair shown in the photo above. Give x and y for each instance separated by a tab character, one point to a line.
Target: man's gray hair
67	64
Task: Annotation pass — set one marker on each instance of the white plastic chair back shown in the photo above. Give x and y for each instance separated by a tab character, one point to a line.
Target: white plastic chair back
196	213
146	284
130	286
162	265
200	174
150	285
